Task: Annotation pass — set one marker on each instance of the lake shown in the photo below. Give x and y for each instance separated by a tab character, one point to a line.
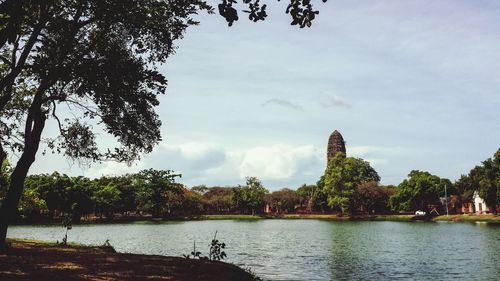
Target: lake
310	249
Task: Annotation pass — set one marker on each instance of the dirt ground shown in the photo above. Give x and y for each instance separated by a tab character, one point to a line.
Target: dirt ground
32	260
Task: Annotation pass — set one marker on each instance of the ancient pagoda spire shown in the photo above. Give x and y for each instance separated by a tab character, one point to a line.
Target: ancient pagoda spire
336	144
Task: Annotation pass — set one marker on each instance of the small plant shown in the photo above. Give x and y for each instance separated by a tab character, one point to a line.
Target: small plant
216	249
67	223
107	247
254	276
194	253
216	252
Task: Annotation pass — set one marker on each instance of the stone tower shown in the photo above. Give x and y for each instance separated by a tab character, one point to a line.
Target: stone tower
336	144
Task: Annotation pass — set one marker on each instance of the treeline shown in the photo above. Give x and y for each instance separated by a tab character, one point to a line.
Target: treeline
148	193
349	185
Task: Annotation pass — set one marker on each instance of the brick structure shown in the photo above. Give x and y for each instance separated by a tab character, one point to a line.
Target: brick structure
336	144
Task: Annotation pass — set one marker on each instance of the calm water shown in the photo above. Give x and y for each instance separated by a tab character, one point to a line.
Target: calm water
311	249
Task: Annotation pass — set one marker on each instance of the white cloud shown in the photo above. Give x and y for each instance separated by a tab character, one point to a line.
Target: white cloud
363	151
334	101
113	169
278	162
205	163
283	103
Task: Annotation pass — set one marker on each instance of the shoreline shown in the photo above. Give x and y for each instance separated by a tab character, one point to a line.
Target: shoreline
40	260
489	218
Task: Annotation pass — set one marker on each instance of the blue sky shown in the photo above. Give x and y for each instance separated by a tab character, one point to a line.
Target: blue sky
409	84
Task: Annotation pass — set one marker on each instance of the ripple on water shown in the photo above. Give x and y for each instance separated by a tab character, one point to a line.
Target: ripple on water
309	249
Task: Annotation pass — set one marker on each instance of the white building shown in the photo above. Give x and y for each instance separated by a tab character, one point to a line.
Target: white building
479	204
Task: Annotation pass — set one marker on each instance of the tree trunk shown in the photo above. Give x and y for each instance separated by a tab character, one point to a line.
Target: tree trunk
9	205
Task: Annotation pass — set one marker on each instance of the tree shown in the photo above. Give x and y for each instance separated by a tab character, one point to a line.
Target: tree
218	200
419	191
319	196
5	171
370	197
283	200
489	186
97	57
485	179
106	200
342	176
250	198
155	189
305	193
192	203
301	11
31	204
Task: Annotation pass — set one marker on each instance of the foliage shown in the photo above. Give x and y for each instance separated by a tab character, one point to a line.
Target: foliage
107	200
5	171
301	11
194	253
485	179
68	225
370	197
418	191
156	187
98	58
319	196
216	251
218	200
250	198
342	176
283	200
31	204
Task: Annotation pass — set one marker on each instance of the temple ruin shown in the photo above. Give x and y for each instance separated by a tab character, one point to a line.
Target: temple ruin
336	144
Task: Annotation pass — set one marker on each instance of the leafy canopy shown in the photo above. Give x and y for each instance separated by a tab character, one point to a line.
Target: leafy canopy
419	190
342	176
97	59
485	179
94	58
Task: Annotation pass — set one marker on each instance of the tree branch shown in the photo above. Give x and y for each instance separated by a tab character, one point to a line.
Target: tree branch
86	107
57	118
6	61
7	81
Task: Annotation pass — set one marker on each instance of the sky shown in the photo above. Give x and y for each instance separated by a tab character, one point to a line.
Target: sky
409	84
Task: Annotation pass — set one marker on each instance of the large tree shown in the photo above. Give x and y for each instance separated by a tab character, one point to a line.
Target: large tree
485	179
155	191
96	58
342	176
250	197
370	197
420	190
283	201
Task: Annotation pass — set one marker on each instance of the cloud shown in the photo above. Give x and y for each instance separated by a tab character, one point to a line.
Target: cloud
276	165
278	162
190	157
334	101
283	103
364	151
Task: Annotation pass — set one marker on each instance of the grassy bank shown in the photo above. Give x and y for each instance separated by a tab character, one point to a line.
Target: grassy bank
230	217
36	260
470	218
345	218
335	217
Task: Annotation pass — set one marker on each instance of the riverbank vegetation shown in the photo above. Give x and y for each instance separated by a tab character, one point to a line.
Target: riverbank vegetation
349	187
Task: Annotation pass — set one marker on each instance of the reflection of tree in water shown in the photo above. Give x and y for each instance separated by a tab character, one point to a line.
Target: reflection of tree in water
487	238
344	260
